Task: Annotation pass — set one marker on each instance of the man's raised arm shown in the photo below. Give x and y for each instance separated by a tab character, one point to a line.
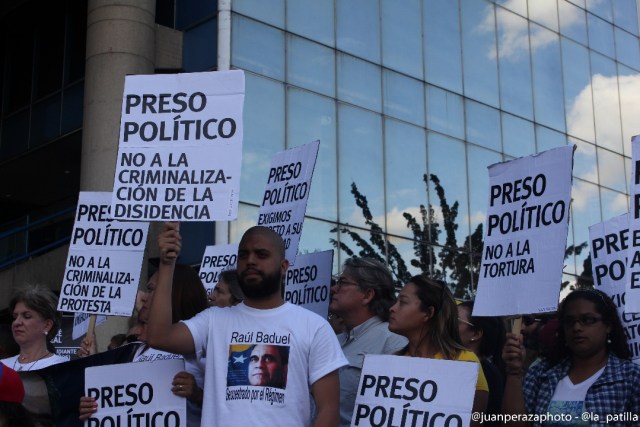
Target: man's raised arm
161	333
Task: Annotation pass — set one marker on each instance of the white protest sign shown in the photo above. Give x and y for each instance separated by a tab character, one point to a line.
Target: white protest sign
632	285
525	234
286	194
308	283
180	147
81	324
216	259
138	394
609	244
104	261
414	391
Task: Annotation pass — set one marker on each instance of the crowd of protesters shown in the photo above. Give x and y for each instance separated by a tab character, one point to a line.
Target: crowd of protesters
570	362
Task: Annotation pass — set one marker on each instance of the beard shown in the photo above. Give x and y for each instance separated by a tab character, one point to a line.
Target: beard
269	285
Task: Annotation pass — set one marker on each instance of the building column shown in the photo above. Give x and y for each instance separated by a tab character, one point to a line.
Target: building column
120	41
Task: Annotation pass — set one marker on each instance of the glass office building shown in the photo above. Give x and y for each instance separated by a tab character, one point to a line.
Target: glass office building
395	90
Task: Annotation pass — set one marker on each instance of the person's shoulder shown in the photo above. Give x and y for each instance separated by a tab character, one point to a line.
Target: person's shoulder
468	356
625	367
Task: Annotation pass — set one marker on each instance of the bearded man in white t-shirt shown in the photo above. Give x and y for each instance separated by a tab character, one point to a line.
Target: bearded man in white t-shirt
229	335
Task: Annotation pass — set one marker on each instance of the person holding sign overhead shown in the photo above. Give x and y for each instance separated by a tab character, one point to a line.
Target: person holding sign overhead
589	379
426	314
262	318
35	322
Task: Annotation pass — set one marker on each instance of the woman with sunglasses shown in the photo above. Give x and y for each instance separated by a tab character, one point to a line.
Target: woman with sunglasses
426	314
591	376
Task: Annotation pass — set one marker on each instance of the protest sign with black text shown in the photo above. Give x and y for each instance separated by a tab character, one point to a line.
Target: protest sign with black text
285	197
104	262
525	234
180	147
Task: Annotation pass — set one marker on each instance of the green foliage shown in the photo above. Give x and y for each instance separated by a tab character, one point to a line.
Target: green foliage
457	265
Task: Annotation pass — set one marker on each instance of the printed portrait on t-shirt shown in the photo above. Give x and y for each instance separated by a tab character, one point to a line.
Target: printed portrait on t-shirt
264	365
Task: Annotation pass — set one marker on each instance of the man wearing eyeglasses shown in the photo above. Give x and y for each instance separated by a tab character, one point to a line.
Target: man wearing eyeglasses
361	296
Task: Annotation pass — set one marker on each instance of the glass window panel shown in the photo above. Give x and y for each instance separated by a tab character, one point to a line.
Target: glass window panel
606	103
515	64
519	7
311	66
544	12
358	28
45	121
403	97
629	84
585	212
547	138
405	167
479	51
600	35
360	132
442	44
49	51
446	161
359	82
627	48
613	203
75	40
311	117
577	90
315	238
580	3
247	218
344	238
72	111
189	13
445	112
478	160
601	8
573	22
518	136
263	134
200	47
18	67
269	11
625	15
402	36
406	250
312	19
257	47
585	164
547	78
611	170
15	135
483	125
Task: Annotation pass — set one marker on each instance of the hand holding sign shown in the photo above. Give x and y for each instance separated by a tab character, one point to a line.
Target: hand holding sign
169	242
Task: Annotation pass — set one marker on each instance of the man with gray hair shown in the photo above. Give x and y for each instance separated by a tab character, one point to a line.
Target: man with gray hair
362	296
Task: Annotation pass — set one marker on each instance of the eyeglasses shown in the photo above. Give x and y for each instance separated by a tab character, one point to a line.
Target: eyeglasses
465	322
584	320
341	282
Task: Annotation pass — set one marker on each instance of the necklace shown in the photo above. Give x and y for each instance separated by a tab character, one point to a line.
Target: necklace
20	367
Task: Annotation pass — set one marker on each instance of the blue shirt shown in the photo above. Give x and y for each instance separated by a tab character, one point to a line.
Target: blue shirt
617	391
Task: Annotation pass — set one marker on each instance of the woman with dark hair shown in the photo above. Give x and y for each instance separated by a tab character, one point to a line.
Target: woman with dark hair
227	291
591	373
485	337
426	314
189	298
35	322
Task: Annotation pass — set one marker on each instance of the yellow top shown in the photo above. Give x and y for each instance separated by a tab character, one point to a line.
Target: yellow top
469	356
